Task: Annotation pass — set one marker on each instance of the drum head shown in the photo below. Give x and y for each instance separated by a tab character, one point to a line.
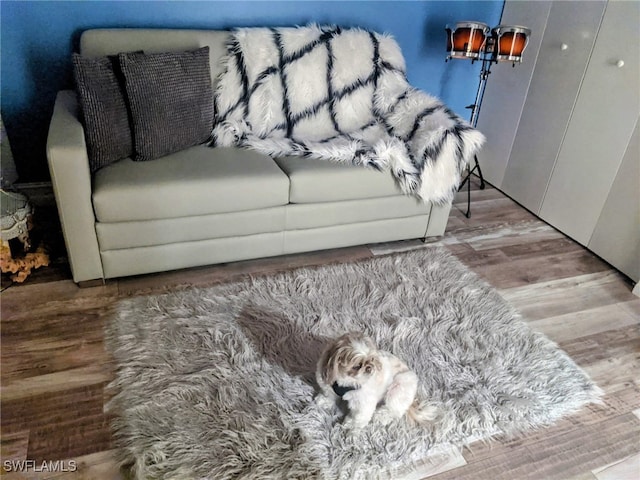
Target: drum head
476	25
512	28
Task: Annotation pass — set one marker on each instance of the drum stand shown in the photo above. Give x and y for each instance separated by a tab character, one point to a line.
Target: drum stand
475	112
506	44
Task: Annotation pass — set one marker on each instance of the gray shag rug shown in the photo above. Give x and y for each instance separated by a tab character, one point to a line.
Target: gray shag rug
218	383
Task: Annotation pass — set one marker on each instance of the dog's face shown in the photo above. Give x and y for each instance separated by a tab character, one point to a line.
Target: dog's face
351	361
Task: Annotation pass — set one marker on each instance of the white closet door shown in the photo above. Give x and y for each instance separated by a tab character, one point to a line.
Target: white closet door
617	234
507	89
600	127
562	61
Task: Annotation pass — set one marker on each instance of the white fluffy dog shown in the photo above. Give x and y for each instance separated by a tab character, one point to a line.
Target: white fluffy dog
371	381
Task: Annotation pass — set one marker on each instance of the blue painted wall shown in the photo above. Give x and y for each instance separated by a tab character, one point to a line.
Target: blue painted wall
37	38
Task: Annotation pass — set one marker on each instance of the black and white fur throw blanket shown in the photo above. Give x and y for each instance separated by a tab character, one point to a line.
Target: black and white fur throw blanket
340	95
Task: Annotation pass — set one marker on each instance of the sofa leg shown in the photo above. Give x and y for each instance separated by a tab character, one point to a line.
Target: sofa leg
431	238
98	282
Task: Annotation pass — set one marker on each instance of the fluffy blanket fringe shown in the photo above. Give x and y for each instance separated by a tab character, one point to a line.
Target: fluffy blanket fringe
340	95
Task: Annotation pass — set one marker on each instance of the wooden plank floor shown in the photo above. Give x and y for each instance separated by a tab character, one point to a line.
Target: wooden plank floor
54	368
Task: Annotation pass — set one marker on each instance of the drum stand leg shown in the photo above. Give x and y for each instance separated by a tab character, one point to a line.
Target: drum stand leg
467	180
475	112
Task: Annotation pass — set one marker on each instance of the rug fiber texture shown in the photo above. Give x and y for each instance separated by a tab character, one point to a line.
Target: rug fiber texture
218	383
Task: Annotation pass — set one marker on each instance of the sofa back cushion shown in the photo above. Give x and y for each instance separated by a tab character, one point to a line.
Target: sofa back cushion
170	98
104	109
102	42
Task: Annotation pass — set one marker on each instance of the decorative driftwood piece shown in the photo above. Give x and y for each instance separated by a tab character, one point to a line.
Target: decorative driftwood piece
21	268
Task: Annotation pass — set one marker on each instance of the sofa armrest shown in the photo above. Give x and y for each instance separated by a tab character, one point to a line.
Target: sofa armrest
438	218
71	179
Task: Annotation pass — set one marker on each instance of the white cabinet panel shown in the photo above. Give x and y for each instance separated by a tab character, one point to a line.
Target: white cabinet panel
507	89
600	127
617	234
562	61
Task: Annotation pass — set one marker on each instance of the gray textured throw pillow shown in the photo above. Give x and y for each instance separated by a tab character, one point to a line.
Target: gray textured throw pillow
104	110
171	100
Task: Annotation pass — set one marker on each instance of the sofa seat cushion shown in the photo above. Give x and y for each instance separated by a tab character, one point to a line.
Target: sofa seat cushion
196	181
314	181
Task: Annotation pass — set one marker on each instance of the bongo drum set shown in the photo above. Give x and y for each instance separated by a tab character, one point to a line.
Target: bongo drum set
476	41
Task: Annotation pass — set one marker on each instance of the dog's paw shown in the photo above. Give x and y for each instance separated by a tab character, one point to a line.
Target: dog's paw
353	425
357	421
384	417
351	396
324	402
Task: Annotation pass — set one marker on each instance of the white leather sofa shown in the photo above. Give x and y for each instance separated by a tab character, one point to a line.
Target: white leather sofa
211	205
